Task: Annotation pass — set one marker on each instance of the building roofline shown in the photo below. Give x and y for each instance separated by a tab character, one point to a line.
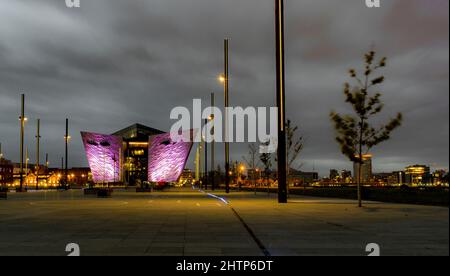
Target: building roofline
137	125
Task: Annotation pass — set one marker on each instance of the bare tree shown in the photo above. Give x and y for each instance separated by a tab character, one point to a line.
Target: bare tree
252	161
266	159
294	146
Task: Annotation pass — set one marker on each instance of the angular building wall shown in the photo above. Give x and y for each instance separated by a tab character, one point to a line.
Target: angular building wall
104	154
167	158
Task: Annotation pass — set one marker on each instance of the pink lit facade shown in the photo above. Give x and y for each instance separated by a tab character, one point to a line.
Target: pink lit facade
104	154
167	158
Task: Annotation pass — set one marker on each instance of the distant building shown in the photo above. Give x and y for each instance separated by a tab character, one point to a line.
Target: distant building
51	177
439	177
187	177
380	179
418	175
346	176
301	178
366	169
334	174
6	172
396	178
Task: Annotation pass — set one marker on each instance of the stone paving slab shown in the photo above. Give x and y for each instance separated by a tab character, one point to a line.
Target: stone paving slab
189	223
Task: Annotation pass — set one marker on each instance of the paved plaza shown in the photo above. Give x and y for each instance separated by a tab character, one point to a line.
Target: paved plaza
185	222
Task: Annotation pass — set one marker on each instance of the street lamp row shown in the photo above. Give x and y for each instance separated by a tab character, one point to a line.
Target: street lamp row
38	137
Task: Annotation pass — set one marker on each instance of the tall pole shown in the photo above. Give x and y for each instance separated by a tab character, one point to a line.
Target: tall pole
46	161
38	139
206	157
1	152
213	184
66	171
22	126
227	145
279	24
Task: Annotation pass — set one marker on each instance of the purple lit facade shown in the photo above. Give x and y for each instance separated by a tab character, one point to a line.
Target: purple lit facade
104	154
167	158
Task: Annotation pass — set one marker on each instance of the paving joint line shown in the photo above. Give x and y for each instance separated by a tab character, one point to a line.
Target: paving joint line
246	226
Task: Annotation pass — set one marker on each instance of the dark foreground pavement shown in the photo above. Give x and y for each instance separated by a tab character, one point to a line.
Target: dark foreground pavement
191	223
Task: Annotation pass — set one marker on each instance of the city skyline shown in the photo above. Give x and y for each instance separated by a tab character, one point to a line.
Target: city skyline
103	70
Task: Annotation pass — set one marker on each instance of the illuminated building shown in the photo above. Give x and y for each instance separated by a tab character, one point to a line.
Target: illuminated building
366	169
418	175
167	158
50	178
346	176
104	154
186	177
439	177
135	152
135	155
396	178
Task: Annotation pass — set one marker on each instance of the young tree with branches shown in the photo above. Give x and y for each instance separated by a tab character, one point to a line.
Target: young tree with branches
354	133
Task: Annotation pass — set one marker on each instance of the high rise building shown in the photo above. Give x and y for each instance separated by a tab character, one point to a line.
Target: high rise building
366	169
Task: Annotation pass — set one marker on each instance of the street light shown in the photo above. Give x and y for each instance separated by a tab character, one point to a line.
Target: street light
38	139
206	157
225	80
211	118
66	142
22	130
242	168
279	26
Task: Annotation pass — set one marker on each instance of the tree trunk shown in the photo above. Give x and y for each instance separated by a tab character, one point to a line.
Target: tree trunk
361	162
359	183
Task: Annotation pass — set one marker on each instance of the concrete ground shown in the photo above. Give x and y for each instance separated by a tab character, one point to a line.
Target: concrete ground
191	223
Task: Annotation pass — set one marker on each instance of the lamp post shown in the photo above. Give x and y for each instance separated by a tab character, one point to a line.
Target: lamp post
279	26
38	139
225	79
206	157
213	184
22	130
66	142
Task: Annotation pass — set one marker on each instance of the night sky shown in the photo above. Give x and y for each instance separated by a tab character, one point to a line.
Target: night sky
112	63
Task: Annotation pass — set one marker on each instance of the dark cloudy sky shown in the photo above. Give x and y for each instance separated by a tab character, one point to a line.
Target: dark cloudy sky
112	63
